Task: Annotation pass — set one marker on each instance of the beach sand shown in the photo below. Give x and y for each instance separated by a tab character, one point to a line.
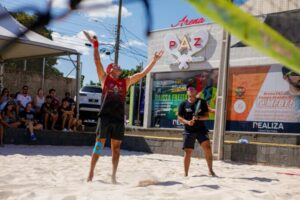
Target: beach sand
57	172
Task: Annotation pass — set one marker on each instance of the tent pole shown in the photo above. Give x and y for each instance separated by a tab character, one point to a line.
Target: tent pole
43	74
1	74
78	80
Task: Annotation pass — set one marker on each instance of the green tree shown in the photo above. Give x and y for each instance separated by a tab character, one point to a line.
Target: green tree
35	64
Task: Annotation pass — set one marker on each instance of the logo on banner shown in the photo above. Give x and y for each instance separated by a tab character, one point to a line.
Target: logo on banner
186	22
184	49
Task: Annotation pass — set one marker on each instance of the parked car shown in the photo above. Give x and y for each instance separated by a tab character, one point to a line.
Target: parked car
89	103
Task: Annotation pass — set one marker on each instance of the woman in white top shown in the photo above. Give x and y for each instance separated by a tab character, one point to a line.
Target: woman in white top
39	100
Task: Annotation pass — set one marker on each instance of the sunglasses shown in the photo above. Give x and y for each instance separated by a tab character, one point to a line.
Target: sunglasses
292	74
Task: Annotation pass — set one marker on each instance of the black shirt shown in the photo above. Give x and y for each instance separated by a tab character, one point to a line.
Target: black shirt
28	115
187	111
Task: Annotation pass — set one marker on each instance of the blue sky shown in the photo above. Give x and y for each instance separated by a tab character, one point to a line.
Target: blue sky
102	22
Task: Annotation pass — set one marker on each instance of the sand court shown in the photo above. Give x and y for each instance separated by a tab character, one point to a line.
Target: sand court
59	172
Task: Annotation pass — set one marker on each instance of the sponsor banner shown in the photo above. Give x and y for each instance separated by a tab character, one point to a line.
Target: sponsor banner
168	94
261	126
266	96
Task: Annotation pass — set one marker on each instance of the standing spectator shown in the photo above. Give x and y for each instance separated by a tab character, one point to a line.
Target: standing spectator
39	100
9	116
4	98
66	115
23	99
29	121
49	113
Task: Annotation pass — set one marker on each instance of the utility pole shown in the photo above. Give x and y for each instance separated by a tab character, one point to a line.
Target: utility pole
117	45
140	96
221	107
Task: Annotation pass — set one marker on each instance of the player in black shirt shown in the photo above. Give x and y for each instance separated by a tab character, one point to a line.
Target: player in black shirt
192	113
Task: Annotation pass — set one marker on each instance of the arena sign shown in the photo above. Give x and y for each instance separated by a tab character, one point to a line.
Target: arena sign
185	49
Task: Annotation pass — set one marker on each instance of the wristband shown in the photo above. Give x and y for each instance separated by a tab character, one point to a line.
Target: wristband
95	44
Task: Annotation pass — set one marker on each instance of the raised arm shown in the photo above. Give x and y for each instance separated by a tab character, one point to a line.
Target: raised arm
100	70
137	76
99	67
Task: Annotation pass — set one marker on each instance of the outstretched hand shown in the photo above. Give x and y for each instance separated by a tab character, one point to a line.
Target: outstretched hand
158	55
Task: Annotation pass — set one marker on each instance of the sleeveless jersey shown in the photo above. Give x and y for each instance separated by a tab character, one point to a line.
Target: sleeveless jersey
113	99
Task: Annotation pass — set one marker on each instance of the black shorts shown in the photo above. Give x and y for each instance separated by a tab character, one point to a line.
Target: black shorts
113	129
189	139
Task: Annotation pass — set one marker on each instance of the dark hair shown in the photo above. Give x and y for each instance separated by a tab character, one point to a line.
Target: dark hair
67	93
51	90
189	85
4	89
24	86
40	89
285	70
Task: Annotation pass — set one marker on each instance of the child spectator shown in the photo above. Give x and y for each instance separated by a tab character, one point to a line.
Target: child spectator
29	121
68	98
66	115
49	113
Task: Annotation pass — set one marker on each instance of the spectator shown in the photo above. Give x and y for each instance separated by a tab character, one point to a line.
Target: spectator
39	100
4	98
1	132
29	121
23	99
49	113
55	101
66	115
76	123
68	98
9	116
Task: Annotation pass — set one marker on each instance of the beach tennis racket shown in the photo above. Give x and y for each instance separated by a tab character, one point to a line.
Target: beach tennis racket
88	36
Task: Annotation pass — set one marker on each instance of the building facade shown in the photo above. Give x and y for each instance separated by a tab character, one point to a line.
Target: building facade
263	96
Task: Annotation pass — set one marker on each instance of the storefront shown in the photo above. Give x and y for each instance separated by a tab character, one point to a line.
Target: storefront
263	96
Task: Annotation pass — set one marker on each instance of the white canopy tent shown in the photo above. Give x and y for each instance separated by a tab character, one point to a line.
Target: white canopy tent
29	45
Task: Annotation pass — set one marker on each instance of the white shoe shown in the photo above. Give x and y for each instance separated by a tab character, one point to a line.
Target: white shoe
65	130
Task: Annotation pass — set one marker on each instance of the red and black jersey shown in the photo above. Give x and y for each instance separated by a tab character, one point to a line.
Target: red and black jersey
113	99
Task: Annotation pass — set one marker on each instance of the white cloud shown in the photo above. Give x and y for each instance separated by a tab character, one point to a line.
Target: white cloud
75	42
78	42
93	8
135	43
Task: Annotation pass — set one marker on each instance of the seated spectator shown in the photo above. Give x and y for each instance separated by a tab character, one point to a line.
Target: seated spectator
76	123
9	116
66	115
39	100
4	98
29	121
23	98
49	113
1	131
55	101
68	98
